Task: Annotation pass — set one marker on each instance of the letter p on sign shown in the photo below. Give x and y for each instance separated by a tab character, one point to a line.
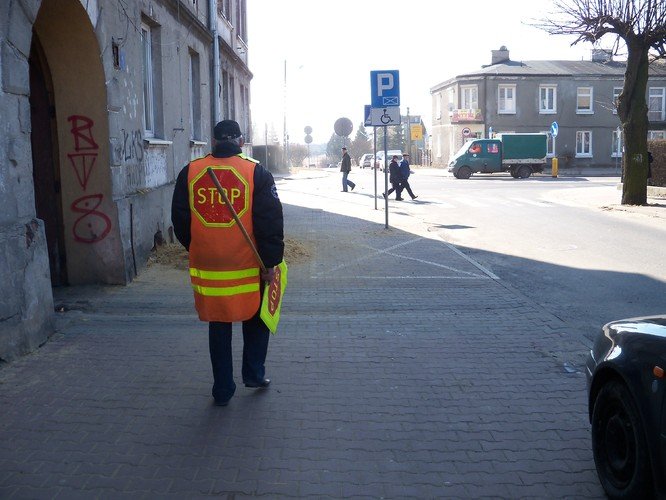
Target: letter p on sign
384	83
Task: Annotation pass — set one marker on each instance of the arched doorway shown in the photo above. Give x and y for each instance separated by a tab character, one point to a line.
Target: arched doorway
46	167
73	187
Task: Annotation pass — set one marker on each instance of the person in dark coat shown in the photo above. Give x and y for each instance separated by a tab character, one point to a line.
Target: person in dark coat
404	175
268	232
394	179
345	168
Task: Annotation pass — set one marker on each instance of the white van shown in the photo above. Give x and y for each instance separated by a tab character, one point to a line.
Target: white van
365	161
391	153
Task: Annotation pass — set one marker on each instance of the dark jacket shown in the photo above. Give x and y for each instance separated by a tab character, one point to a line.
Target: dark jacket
267	219
346	163
404	169
394	172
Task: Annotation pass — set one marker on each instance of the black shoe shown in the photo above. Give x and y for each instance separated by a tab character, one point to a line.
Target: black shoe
384	195
399	199
261	384
352	187
414	197
221	402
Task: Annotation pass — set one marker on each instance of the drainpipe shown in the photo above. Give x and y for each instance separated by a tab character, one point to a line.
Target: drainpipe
212	16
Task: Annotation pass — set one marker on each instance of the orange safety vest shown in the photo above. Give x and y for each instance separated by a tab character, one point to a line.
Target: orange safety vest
223	268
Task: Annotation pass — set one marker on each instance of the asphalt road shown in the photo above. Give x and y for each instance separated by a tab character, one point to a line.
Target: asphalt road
565	243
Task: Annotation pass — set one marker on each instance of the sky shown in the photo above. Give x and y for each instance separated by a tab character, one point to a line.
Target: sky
330	47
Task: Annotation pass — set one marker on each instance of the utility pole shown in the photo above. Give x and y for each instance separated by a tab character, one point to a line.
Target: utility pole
286	134
409	136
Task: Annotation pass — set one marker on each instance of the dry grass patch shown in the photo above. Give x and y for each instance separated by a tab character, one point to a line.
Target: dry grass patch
174	255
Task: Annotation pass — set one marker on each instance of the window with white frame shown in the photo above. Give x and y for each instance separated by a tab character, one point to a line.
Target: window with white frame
656	134
584	100
195	96
616	98
226	8
616	144
550	143
451	97
225	95
241	19
583	143
232	98
656	102
438	105
245	111
506	99
469	97
547	99
148	89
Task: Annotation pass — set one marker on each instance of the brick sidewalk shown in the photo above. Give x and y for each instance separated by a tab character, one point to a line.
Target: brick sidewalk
400	370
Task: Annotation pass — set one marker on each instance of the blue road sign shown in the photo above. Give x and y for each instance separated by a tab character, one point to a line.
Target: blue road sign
554	129
385	88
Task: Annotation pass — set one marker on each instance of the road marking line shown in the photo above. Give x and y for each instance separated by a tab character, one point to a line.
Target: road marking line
475	277
488	272
389	251
533	202
471	202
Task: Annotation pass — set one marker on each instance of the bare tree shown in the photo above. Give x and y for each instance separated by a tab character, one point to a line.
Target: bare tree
640	25
297	153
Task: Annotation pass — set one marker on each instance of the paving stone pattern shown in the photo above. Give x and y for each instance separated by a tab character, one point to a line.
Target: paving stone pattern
400	370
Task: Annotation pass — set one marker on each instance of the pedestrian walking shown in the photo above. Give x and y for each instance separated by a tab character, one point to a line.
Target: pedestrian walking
226	277
394	179
345	168
404	174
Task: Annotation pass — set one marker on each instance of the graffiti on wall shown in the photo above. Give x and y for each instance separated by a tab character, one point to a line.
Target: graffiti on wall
92	225
132	146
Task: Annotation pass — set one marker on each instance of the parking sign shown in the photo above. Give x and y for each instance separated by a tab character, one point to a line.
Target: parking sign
385	88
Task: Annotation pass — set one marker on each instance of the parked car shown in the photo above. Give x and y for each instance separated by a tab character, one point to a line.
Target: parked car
627	407
366	160
390	154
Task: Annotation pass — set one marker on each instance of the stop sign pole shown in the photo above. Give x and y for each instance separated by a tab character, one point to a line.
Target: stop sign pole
235	216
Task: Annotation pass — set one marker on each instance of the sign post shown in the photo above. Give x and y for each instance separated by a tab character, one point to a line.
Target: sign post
554	168
385	104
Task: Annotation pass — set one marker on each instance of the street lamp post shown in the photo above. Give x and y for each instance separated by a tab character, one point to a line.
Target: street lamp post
286	134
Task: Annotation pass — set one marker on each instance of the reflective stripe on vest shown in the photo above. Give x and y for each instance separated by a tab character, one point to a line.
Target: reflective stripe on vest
224	275
216	291
204	286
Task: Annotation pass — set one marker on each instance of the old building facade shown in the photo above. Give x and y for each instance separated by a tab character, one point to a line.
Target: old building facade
528	96
104	102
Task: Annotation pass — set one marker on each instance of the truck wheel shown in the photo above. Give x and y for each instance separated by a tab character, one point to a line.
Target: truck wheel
464	173
513	173
524	172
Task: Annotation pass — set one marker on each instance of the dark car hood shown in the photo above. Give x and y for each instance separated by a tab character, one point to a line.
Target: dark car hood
647	325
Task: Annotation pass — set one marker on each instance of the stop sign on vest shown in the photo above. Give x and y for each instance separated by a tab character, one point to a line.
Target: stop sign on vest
207	203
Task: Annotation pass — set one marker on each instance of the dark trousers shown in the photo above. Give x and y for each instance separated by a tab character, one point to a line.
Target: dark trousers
395	186
405	185
255	347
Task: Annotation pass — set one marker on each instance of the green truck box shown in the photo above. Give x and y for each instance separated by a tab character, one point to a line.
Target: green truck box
519	154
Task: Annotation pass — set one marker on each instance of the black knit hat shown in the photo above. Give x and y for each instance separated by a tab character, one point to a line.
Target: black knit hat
226	129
